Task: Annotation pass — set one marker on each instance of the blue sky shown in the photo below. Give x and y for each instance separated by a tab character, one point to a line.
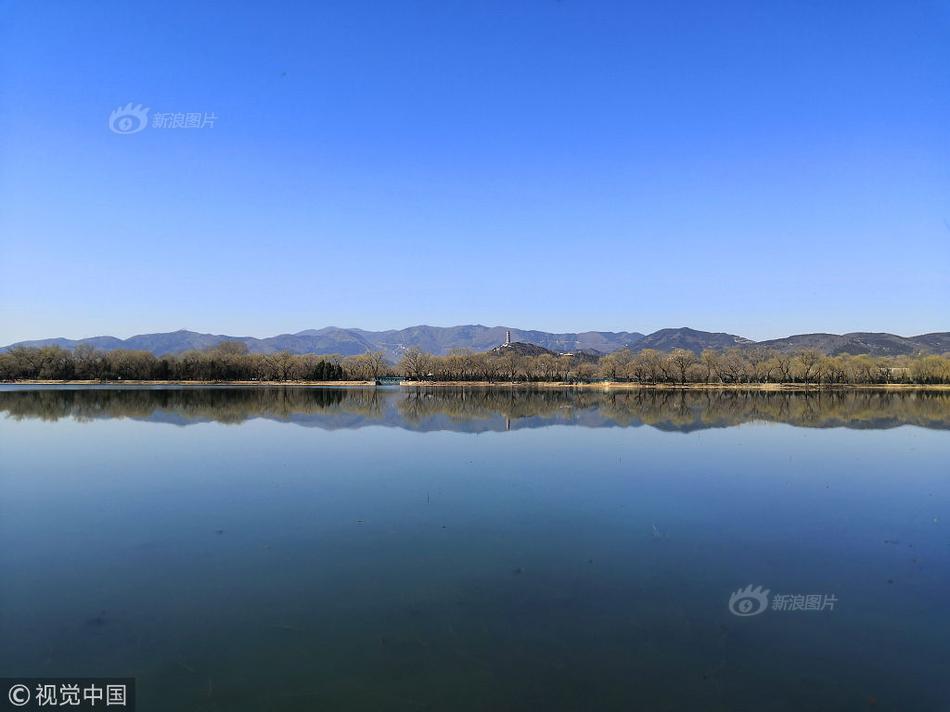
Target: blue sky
757	168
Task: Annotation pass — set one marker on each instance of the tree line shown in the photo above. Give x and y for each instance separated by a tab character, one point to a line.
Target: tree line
230	361
677	367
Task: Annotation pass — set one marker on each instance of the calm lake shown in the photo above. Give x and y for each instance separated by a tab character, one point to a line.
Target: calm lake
389	549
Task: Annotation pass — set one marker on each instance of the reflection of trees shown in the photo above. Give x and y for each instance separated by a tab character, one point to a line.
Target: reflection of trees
224	405
683	410
468	409
473	404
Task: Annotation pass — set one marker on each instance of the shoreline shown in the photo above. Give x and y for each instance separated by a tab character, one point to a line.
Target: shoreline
629	386
512	385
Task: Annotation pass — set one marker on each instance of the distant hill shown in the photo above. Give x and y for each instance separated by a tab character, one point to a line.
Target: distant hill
523	349
860	342
690	339
104	343
440	340
938	342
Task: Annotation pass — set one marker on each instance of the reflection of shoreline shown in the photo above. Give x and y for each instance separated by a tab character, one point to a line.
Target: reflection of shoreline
479	410
202	384
515	385
628	386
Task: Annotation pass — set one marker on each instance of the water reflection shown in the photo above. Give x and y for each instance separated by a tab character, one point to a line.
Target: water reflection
341	567
480	410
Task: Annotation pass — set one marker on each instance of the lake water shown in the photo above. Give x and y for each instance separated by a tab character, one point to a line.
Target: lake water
330	549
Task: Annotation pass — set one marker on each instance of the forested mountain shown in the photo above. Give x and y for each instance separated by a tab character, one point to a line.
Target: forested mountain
439	340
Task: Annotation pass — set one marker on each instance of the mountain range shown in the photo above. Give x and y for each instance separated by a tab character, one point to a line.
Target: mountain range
441	340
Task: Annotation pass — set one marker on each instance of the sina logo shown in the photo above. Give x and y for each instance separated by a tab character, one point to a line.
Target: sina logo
128	119
749	601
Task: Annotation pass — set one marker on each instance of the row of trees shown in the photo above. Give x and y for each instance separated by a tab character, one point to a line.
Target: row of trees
230	361
650	367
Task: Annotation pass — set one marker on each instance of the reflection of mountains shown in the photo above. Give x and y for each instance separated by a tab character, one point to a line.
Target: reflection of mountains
478	410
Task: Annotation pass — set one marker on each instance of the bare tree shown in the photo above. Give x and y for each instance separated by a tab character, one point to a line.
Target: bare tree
732	366
616	365
682	360
652	364
807	361
489	366
709	364
280	364
415	363
759	360
512	363
376	362
784	363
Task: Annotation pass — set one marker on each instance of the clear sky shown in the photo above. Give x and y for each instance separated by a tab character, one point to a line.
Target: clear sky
762	168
